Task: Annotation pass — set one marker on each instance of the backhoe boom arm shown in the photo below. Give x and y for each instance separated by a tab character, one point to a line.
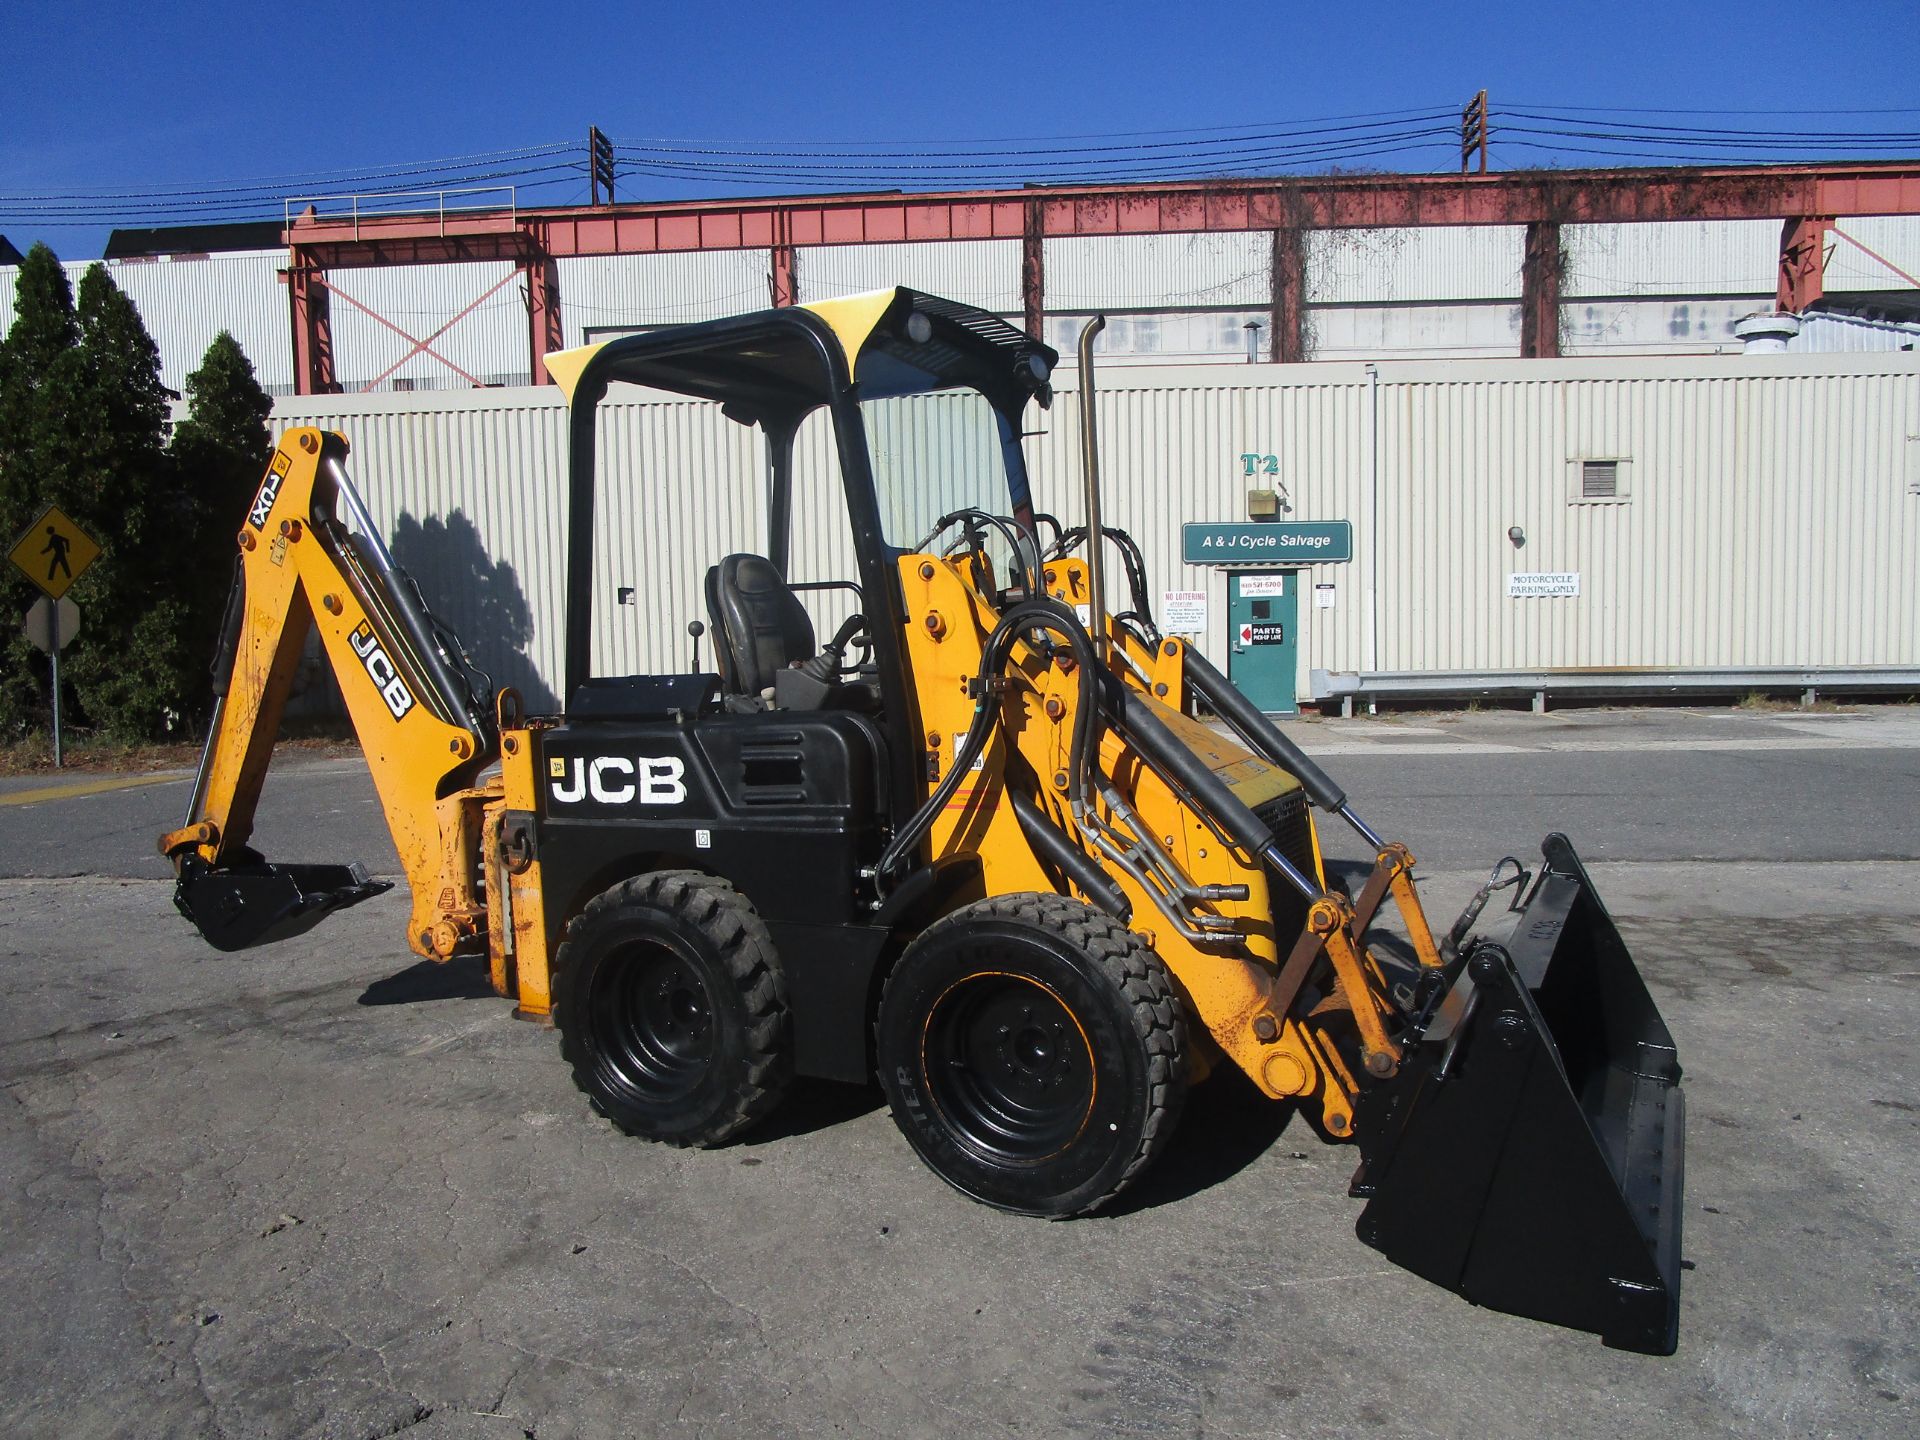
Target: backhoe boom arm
310	559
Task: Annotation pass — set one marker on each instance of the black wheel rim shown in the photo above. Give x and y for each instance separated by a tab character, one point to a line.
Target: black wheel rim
1009	1068
653	1021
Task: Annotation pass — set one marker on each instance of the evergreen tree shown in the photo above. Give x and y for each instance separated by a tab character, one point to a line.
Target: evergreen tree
220	451
133	505
132	666
41	414
222	446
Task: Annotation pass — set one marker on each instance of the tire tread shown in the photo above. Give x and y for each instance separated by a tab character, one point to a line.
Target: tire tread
1140	977
724	916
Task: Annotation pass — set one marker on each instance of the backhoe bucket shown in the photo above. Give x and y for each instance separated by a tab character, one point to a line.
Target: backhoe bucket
1529	1151
257	903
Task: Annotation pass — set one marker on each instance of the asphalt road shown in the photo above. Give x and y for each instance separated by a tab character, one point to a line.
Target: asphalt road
320	1189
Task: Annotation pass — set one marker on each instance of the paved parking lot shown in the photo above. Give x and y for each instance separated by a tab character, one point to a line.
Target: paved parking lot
321	1189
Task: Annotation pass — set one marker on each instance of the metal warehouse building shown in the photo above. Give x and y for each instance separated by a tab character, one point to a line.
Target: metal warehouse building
1518	412
1675	514
459	291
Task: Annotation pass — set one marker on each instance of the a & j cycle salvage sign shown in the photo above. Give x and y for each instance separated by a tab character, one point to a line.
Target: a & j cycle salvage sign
1281	542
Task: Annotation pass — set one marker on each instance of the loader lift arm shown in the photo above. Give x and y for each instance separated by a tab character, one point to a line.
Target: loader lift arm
309	557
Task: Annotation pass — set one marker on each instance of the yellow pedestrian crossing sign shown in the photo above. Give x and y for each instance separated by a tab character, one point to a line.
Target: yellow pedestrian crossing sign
54	552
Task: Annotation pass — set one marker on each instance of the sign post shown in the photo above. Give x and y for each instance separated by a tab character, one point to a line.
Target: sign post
50	625
53	553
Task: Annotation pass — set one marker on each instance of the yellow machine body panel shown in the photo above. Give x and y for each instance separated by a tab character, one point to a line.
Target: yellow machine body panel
1230	980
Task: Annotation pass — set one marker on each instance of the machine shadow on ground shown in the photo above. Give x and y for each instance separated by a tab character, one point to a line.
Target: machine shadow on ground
463	978
811	1106
1228	1125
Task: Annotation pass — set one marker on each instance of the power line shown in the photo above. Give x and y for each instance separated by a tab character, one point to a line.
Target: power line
1633	110
1225	150
926	154
1382	115
276	183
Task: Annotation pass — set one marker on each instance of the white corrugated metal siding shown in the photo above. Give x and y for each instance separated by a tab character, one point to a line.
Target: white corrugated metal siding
184	301
1651	327
1175	272
1166	338
1822	333
978	272
602	293
1895	238
190	301
490	342
1354	332
1399	293
1767	520
1402	263
477	482
1677	257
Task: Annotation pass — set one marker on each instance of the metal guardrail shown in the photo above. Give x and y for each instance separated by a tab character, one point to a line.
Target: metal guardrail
419	204
1346	687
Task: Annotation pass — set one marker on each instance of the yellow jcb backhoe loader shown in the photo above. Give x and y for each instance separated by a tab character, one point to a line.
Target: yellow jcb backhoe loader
996	859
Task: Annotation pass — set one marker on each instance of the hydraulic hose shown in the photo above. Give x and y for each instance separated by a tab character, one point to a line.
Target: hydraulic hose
223	661
1064	855
1028	615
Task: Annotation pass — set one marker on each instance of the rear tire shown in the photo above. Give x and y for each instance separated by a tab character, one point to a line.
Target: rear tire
672	1008
1034	1053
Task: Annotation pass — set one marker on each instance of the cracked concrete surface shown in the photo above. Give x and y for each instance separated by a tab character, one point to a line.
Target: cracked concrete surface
317	1190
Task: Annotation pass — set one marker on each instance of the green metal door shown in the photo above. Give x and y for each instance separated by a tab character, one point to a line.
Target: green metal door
1263	607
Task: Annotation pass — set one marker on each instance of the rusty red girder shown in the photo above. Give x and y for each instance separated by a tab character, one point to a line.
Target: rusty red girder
1803	261
1802	195
1311	202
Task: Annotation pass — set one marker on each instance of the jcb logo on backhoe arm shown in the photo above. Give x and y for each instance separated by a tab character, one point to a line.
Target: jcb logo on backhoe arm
269	491
380	669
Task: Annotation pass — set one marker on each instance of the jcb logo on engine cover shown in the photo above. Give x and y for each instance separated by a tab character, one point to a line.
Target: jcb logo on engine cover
617	780
380	669
269	491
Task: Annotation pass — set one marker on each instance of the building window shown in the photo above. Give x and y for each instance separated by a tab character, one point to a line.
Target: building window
1597	481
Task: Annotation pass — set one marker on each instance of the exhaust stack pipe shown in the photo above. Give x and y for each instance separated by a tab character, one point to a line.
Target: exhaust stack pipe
1090	467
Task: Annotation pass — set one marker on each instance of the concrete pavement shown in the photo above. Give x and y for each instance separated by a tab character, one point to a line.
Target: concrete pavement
319	1189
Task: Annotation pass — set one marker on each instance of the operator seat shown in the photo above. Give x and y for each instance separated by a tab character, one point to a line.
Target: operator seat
759	624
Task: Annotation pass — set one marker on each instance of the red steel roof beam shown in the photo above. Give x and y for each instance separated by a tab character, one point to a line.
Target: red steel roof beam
1309	202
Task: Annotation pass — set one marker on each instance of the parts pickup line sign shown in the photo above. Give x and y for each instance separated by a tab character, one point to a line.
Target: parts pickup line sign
1281	542
54	552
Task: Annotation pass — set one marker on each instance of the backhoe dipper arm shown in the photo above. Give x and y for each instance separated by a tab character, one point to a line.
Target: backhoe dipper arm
309	556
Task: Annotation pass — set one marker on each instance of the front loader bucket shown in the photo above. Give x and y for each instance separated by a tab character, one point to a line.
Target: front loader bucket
1528	1153
257	903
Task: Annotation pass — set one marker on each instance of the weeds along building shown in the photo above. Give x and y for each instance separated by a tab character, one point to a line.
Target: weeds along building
1662	421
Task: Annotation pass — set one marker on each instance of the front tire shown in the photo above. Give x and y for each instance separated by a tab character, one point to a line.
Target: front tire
1034	1053
672	1008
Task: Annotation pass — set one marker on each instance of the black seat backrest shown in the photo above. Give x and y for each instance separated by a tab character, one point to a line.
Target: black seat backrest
759	625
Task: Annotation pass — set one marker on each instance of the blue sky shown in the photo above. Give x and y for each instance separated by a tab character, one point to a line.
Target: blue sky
114	96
